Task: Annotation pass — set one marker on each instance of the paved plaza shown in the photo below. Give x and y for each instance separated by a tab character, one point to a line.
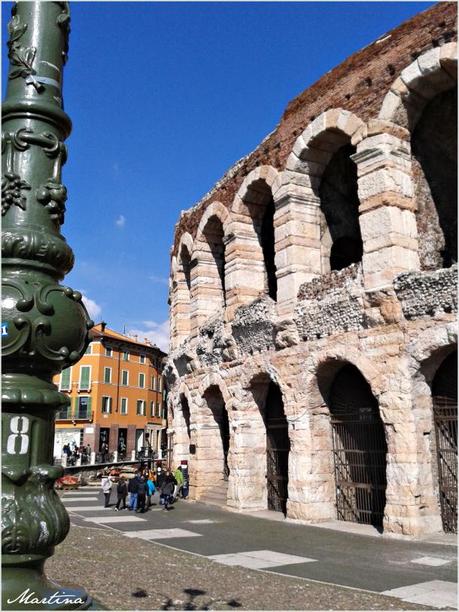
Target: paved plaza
244	561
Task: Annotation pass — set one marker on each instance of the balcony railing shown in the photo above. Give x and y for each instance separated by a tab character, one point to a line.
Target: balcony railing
81	414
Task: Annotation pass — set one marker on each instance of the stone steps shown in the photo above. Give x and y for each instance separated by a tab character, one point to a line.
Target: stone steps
215	497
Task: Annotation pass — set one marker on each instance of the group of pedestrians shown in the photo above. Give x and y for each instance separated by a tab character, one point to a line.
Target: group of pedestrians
135	494
74	453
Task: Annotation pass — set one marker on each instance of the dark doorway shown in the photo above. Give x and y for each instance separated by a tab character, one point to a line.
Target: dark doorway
277	450
122	441
434	144
339	202
444	396
104	439
216	404
359	449
260	202
186	415
267	244
214	235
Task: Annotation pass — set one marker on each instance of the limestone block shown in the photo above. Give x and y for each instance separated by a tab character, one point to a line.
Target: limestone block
448	59
385	180
376	224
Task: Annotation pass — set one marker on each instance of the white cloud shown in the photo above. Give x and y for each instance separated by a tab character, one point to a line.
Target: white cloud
157	333
92	307
161	280
121	221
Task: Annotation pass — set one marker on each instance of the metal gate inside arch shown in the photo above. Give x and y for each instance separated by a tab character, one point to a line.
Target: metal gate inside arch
277	450
444	391
359	449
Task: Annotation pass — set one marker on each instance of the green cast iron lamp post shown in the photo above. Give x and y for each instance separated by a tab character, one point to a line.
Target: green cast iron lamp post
45	326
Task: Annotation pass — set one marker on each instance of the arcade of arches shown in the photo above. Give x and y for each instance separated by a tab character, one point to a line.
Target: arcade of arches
313	301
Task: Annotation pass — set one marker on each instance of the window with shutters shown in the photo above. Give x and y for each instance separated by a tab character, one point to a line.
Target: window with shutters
141	407
85	378
65	383
142	359
108	352
89	350
107	375
125	356
106	405
141	381
152	409
160	383
124	378
124	405
153	383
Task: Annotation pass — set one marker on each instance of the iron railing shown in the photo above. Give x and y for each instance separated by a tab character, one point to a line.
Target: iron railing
445	418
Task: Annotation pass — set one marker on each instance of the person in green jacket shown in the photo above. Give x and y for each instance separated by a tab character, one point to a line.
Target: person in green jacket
180	481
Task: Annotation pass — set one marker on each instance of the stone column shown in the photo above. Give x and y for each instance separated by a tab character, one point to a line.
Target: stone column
244	268
297	236
387	203
206	290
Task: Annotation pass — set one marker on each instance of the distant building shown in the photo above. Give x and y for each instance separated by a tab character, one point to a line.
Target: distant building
117	396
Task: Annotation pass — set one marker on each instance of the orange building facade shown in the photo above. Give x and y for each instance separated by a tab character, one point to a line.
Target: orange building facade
117	396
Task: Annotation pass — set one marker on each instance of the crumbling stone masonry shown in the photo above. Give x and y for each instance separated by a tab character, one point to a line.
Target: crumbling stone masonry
313	299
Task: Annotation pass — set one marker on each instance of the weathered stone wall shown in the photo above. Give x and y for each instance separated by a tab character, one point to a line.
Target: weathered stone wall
427	293
394	322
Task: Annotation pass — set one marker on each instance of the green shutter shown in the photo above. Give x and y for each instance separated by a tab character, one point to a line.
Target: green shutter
89	407
84	377
75	408
65	379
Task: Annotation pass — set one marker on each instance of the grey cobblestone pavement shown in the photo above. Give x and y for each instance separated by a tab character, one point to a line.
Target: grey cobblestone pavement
124	573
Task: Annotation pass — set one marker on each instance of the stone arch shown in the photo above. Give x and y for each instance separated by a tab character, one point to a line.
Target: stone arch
432	73
181	290
251	247
213	448
319	486
323	153
208	263
183	411
252	435
423	99
427	355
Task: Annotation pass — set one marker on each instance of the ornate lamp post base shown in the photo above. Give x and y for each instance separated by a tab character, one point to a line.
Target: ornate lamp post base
45	326
35	592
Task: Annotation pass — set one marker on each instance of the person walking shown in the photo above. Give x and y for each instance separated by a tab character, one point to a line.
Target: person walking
180	480
122	491
106	488
161	475
151	489
133	491
142	489
167	489
186	481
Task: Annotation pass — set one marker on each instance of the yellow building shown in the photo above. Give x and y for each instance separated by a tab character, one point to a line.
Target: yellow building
117	396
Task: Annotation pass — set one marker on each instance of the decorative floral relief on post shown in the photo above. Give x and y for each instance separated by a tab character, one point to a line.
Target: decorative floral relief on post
53	196
12	185
22	57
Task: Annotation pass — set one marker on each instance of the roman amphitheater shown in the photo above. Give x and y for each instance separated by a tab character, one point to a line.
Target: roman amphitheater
313	301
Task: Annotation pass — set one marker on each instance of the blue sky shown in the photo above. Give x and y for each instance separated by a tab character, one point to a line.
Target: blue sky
164	98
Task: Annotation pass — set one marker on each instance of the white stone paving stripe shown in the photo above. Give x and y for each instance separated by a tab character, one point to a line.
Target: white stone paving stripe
201	521
161	534
86	508
113	519
433	561
436	594
80	498
260	559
